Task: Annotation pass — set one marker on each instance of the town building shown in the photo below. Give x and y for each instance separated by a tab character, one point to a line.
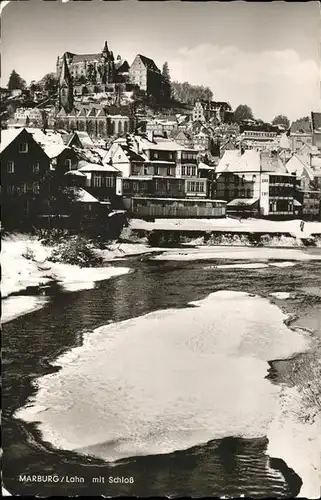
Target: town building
259	137
23	167
307	168
300	134
161	127
28	117
155	170
206	111
144	73
256	183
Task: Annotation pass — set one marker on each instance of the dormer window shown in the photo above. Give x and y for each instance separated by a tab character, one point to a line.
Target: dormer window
23	147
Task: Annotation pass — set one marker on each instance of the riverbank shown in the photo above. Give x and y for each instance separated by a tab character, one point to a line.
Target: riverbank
229	224
26	264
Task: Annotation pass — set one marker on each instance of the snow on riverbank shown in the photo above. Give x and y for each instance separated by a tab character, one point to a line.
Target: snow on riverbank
230	224
237	253
15	306
24	264
297	443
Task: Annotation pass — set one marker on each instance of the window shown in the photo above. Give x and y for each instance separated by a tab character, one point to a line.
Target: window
35	188
168	170
68	163
156	171
109	182
155	154
10	189
97	181
188	170
126	185
145	171
23	147
36	168
10	167
194	171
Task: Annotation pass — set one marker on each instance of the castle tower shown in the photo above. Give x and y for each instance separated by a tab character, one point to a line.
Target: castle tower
66	97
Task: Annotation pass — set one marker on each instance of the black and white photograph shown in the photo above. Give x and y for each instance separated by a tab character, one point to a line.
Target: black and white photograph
161	248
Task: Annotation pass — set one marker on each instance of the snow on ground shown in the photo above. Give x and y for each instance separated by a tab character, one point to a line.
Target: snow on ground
15	306
297	443
231	224
237	253
19	272
24	264
281	295
74	278
252	265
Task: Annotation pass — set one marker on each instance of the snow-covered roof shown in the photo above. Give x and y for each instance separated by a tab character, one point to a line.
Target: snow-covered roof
84	197
239	202
50	137
234	161
8	136
54	150
85	139
76	173
95	167
203	166
166	145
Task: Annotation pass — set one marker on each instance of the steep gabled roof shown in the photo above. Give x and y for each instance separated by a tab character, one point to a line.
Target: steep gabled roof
123	67
132	155
8	136
148	63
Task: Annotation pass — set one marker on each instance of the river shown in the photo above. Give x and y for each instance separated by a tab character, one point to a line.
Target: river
169	375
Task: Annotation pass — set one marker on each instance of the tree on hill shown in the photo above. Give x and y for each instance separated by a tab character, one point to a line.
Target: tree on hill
301	125
49	83
189	94
165	72
15	81
243	112
281	120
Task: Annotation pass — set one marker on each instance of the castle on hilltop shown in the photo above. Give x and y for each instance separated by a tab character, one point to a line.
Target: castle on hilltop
95	72
101	72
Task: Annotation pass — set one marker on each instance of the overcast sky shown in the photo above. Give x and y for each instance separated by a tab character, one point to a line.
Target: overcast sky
266	55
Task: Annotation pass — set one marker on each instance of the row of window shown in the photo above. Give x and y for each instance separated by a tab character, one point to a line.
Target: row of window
195	187
280	179
155	155
189	156
281	191
11	167
23	188
188	170
281	206
260	134
100	181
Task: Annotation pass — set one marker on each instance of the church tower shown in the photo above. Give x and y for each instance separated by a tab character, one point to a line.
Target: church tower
109	65
66	97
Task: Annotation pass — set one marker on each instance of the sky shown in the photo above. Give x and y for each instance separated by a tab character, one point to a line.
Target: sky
265	55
